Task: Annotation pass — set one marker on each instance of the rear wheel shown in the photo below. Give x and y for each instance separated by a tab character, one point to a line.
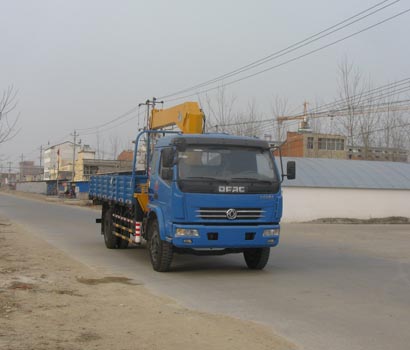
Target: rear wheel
122	243
256	258
109	239
160	251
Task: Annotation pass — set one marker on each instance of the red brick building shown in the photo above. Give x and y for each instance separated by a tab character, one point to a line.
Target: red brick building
311	145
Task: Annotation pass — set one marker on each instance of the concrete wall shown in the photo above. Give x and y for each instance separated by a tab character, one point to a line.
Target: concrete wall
33	187
304	204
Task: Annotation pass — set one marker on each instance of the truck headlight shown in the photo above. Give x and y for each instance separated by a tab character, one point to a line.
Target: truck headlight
271	232
186	232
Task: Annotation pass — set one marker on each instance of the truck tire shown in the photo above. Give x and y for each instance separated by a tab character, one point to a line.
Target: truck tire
109	239
256	258
122	243
160	251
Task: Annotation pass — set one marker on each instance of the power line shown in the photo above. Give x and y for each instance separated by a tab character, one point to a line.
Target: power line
254	64
309	40
328	113
368	93
373	95
133	109
115	126
265	59
297	57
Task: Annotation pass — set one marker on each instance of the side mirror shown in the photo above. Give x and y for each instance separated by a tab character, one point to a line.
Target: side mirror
167	155
291	170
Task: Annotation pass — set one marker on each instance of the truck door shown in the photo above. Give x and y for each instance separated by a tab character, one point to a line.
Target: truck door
160	186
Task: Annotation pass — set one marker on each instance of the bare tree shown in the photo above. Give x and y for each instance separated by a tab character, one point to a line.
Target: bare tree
280	108
362	119
394	131
247	123
219	110
222	117
115	144
320	125
8	121
351	90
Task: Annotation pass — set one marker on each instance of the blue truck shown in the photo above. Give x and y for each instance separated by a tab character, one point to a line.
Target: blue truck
199	193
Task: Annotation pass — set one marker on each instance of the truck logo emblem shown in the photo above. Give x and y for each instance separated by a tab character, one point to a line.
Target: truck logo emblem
231	189
231	214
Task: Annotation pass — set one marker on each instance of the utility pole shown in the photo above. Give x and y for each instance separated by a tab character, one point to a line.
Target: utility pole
41	162
58	168
21	167
8	177
98	144
74	144
41	155
149	103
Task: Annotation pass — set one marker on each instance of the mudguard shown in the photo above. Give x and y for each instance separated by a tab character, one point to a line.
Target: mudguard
160	218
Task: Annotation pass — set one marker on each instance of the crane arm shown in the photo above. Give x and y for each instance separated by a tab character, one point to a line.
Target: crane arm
296	117
188	117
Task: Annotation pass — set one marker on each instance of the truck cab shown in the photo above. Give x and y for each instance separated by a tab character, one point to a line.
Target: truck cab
215	194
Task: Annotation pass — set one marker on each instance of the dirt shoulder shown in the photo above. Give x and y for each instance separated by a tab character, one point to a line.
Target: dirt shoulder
373	221
50	301
52	199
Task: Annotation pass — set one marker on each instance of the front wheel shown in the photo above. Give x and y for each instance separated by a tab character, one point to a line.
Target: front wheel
256	258
160	251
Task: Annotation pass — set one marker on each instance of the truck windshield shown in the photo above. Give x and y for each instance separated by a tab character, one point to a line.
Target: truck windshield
226	163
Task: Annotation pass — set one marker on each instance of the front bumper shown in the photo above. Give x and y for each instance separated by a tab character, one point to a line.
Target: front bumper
218	236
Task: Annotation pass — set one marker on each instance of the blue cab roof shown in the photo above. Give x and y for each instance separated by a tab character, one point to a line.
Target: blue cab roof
167	140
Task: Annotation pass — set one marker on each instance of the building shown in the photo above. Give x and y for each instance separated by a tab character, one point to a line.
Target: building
126	155
86	165
83	171
129	156
332	188
30	172
8	179
58	160
378	153
313	145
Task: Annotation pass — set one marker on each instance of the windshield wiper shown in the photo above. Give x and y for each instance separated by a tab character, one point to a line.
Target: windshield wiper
251	179
203	178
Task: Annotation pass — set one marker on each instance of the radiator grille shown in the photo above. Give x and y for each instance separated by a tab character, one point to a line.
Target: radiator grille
221	213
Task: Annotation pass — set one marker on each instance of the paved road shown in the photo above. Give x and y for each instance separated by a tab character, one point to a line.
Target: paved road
326	286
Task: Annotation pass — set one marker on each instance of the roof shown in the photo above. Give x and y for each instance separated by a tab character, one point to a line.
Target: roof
126	155
212	139
61	143
336	173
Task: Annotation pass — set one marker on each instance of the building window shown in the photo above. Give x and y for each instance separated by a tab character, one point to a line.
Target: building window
340	145
310	143
322	143
332	144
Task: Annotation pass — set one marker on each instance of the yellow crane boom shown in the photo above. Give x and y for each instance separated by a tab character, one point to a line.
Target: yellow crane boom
188	117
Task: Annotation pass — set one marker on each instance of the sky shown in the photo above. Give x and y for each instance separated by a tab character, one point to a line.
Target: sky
79	64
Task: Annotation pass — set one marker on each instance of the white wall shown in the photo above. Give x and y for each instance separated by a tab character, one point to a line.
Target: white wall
33	187
303	204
